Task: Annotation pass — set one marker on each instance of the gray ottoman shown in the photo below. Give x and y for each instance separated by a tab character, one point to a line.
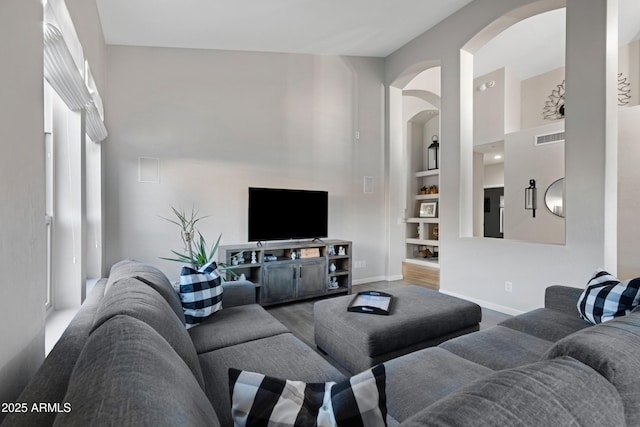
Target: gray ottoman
419	318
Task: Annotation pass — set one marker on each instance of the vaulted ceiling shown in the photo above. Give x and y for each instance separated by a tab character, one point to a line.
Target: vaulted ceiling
334	27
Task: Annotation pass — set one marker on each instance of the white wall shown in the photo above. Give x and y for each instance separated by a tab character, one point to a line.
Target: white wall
22	183
545	164
629	199
22	229
223	121
489	108
535	92
493	175
478	268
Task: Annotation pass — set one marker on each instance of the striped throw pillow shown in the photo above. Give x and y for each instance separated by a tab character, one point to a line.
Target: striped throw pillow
200	293
259	400
606	297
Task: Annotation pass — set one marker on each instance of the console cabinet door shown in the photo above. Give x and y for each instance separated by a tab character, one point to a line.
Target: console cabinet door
278	282
312	277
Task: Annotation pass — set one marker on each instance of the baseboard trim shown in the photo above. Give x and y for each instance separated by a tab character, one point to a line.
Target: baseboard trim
485	304
375	279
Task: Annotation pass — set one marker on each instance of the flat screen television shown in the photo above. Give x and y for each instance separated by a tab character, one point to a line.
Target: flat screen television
284	214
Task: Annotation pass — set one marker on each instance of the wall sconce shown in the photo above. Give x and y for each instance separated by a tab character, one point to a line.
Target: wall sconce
530	197
432	153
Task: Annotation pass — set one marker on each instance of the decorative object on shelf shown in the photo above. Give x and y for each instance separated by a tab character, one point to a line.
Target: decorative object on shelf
195	251
333	283
309	253
419	232
554	107
433	189
428	209
253	257
293	255
530	197
332	267
424	190
426	253
331	250
624	93
234	261
432	153
341	251
433	232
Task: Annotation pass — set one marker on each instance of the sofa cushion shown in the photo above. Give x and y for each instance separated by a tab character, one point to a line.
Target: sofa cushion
607	297
498	347
259	400
563	392
151	276
612	349
133	298
434	372
128	375
233	326
200	292
545	323
561	298
281	356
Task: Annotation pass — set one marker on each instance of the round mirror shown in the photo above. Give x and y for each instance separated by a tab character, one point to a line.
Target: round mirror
554	197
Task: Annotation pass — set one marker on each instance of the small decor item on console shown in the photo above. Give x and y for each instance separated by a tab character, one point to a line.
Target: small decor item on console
309	252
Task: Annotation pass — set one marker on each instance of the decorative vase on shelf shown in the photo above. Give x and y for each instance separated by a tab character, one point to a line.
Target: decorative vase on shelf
332	268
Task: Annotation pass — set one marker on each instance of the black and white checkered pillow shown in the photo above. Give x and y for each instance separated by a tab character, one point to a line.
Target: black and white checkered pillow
607	297
258	400
200	293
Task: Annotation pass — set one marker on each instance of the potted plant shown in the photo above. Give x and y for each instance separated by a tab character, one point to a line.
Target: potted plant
195	250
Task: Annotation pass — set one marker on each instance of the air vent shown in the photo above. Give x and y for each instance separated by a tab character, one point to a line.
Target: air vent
549	138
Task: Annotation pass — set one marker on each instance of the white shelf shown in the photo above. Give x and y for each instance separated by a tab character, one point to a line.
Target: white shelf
422	174
423	220
422	242
424	262
427	196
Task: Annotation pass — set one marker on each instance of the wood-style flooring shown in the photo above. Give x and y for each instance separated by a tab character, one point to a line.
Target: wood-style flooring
298	316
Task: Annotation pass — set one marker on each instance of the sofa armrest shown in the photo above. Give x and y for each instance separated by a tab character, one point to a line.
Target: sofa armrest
238	292
562	298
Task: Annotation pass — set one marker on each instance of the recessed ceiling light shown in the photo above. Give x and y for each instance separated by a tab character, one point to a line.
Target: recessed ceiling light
497	157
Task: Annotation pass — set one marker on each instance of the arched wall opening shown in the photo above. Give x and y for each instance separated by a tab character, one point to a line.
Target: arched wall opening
415	104
474	268
495	119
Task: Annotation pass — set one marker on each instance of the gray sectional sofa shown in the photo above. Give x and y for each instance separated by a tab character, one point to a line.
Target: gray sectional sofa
127	360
